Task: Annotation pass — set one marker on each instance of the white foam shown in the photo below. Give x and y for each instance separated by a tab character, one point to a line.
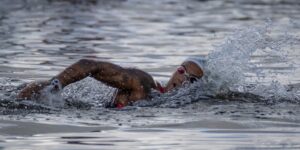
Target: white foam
228	64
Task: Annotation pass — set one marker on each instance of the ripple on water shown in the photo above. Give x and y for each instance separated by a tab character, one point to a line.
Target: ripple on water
40	38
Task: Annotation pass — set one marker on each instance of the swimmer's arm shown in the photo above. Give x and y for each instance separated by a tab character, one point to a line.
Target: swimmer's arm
108	73
111	74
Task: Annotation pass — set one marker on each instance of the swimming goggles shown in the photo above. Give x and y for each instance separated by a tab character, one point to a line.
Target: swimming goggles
188	77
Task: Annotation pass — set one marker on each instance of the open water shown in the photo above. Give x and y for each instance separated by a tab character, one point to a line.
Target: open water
248	99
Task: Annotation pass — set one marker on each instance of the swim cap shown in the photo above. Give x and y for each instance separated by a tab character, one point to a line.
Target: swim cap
200	61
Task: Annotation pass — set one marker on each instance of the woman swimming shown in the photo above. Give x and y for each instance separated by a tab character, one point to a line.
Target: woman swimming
132	84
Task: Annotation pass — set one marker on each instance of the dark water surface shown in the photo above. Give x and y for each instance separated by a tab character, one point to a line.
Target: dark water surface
40	38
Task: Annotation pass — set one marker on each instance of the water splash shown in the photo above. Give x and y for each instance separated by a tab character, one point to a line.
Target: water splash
51	99
228	63
89	91
225	73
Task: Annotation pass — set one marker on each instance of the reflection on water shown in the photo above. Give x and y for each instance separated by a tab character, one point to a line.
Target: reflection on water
40	38
163	139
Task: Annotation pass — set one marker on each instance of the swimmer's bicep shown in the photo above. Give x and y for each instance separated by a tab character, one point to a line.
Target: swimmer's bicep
115	76
123	80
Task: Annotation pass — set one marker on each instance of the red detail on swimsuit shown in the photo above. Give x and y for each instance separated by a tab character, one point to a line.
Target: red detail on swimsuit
119	105
180	70
162	90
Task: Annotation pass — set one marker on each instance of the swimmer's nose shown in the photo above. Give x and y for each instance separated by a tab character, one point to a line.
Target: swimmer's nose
181	70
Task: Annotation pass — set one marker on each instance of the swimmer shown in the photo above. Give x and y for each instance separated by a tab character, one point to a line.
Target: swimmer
131	84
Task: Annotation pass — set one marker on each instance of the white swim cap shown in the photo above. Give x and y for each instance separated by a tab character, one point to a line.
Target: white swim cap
199	60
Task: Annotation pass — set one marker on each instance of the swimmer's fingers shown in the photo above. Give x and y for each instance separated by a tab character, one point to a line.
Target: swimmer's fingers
32	90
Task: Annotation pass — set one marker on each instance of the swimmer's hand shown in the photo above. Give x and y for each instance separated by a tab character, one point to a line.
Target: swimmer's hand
32	90
35	89
54	87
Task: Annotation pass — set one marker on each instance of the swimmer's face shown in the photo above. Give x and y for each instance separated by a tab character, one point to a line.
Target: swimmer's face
187	72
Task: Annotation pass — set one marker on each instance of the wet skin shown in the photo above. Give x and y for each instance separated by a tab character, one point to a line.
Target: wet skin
132	84
177	79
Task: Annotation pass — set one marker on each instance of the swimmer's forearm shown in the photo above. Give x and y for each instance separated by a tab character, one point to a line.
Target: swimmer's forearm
103	71
75	72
